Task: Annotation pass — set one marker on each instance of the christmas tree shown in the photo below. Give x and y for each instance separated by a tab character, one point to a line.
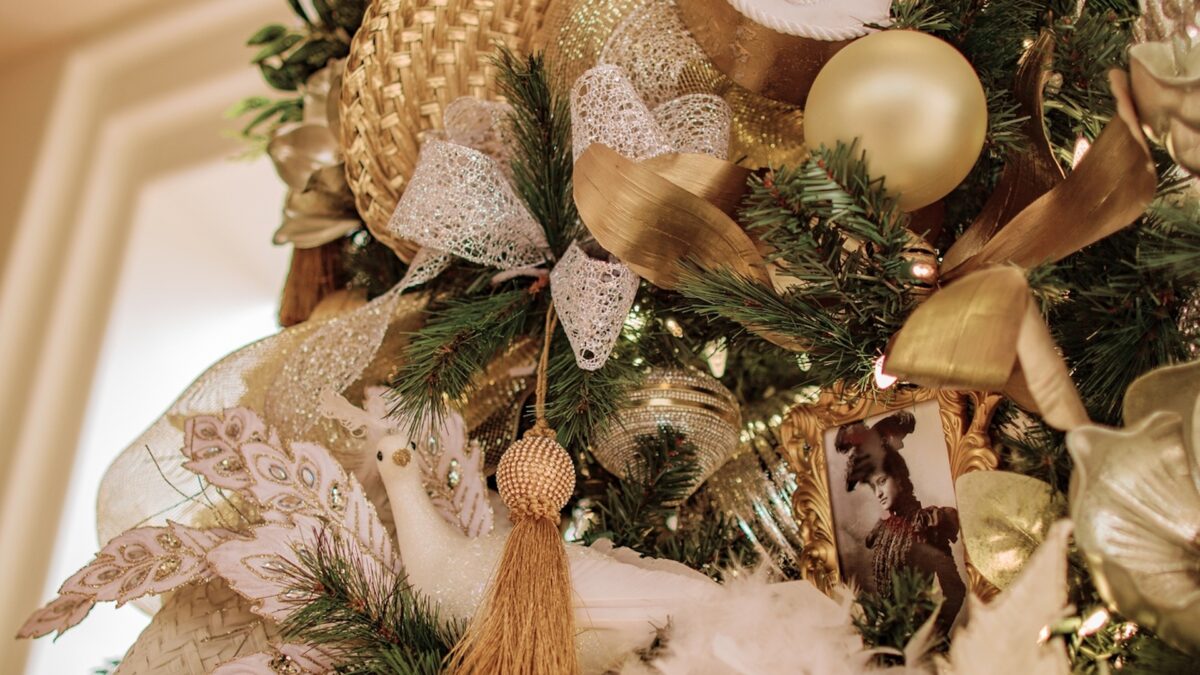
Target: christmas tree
662	269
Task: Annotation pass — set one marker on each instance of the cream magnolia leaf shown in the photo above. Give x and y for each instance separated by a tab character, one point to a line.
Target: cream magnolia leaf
1004	636
1135	500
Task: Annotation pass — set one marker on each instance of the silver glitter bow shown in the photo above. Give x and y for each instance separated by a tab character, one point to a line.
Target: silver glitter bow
461	203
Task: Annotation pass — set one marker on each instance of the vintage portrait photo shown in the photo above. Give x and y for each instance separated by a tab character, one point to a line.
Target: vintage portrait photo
892	497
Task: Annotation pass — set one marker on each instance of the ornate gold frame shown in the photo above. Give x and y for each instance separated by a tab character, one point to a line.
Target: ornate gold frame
965	418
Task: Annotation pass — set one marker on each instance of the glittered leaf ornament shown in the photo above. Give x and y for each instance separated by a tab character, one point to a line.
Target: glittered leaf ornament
1005	517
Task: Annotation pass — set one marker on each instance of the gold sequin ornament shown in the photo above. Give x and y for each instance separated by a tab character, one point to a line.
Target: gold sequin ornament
526	624
692	403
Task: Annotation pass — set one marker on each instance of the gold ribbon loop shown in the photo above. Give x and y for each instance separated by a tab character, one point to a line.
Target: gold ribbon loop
984	332
1028	173
1107	191
653	225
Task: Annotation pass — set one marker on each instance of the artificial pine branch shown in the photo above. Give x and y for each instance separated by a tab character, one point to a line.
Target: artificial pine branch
370	619
889	617
837	232
460	338
581	402
542	162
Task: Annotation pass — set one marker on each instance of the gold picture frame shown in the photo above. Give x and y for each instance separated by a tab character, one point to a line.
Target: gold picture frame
965	417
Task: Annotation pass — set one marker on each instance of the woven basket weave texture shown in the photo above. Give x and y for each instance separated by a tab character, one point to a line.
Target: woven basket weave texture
411	59
199	627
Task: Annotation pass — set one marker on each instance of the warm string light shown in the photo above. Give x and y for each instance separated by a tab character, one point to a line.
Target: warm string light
882	379
1082	145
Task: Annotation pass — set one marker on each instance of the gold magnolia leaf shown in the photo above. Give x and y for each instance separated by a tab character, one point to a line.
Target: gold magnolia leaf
653	225
1005	517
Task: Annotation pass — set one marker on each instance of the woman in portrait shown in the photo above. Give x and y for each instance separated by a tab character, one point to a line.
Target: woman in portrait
907	534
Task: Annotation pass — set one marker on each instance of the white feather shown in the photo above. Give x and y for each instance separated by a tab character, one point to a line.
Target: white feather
1002	636
755	627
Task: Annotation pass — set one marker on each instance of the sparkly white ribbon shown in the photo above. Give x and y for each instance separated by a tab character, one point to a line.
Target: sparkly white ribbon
460	201
593	297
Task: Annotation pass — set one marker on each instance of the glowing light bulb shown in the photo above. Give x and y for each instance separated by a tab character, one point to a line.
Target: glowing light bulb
1081	147
882	379
1094	622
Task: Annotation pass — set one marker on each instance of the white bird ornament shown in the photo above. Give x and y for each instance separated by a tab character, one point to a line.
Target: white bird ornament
621	599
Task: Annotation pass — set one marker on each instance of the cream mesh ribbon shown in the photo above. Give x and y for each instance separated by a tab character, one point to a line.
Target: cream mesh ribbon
148	484
592	298
460	201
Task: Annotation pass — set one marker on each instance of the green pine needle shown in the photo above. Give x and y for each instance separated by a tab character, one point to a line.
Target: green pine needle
890	617
835	230
459	339
542	162
371	620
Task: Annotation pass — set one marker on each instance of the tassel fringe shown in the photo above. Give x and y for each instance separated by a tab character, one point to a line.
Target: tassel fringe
526	624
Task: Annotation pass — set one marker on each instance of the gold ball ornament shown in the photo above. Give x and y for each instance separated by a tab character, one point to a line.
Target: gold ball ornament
536	477
914	103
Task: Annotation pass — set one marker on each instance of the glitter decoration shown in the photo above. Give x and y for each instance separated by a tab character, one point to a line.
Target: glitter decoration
480	125
605	108
327	361
692	403
1188	321
592	298
460	202
659	55
576	32
755	487
697	123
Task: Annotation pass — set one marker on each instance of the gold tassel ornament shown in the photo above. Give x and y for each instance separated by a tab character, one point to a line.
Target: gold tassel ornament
526	624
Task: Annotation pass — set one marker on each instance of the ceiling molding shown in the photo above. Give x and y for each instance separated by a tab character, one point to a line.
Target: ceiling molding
115	111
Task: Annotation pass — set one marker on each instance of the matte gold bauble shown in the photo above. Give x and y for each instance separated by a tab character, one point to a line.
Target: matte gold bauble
915	105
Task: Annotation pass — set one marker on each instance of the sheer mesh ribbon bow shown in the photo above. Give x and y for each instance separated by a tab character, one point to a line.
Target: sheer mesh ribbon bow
593	297
460	202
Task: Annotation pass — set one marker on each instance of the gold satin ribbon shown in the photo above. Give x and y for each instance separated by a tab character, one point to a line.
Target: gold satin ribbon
1027	174
653	222
984	331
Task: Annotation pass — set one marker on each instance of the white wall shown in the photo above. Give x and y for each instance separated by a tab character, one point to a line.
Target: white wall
138	257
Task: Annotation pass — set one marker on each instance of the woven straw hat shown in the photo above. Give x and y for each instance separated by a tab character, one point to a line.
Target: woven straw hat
411	59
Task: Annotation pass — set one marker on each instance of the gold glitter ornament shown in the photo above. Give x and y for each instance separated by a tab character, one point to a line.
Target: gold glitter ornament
693	404
536	477
914	104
